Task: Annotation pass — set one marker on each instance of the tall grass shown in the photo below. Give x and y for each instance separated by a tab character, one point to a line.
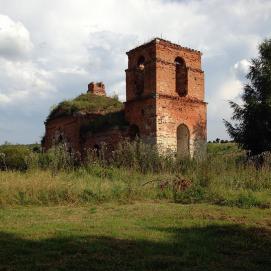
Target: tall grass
135	171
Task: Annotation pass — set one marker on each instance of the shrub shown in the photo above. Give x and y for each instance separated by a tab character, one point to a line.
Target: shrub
193	194
13	157
59	158
142	157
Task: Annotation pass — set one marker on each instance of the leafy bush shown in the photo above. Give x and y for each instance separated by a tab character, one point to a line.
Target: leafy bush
13	157
244	199
193	194
56	159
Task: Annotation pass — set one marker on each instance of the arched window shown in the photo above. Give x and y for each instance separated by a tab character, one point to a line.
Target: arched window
141	63
181	76
134	132
139	76
58	137
183	138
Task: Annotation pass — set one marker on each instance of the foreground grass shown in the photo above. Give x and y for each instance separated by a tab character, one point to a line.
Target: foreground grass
241	187
134	172
139	236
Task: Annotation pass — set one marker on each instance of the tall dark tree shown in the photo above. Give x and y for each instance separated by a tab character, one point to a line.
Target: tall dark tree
251	127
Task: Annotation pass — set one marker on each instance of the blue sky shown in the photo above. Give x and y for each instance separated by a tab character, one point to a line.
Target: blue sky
50	50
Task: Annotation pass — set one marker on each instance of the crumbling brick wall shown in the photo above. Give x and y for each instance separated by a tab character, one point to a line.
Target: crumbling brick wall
164	104
108	139
97	88
65	129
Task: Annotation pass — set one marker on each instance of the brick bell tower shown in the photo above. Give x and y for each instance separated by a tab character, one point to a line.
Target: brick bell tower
165	97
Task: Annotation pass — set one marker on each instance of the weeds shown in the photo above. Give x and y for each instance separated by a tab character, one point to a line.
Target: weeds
136	171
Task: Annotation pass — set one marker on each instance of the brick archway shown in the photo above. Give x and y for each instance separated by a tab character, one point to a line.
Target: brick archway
183	138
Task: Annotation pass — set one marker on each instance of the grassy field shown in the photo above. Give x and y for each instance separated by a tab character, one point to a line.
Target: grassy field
136	212
136	173
139	236
222	179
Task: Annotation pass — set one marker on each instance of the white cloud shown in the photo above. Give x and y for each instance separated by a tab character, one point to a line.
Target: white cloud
56	48
231	89
4	99
23	82
14	39
242	67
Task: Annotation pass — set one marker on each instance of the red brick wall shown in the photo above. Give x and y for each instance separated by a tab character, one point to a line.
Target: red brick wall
111	137
173	112
148	52
158	109
166	70
97	88
142	113
164	108
68	127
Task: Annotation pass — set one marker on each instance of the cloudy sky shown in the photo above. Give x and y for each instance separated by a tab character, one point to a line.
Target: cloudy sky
51	49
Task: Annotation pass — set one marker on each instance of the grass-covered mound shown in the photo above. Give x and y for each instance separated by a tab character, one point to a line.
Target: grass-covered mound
87	103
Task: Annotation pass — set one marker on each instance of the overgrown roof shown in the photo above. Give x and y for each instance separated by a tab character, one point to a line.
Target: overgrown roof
104	122
87	103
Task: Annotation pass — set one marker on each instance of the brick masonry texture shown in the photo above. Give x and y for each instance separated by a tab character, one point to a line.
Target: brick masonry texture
164	101
97	88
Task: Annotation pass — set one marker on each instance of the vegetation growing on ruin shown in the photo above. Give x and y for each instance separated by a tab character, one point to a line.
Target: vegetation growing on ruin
87	103
104	122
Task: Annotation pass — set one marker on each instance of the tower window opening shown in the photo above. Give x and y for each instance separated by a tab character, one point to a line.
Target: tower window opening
140	76
181	76
141	63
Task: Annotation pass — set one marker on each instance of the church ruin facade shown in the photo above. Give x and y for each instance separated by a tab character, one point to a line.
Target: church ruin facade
164	105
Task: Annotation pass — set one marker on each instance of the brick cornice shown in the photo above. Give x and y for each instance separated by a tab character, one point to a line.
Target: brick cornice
163	42
186	99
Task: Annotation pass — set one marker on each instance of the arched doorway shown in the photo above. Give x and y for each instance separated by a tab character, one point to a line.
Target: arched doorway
134	132
183	138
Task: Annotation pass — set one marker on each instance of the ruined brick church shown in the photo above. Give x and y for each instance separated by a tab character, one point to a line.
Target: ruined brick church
164	105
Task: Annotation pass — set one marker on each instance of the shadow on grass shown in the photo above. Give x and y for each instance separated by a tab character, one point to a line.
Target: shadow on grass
216	247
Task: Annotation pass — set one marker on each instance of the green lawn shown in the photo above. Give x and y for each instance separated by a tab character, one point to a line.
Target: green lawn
140	236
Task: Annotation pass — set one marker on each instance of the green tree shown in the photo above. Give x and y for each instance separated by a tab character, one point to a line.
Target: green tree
251	127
